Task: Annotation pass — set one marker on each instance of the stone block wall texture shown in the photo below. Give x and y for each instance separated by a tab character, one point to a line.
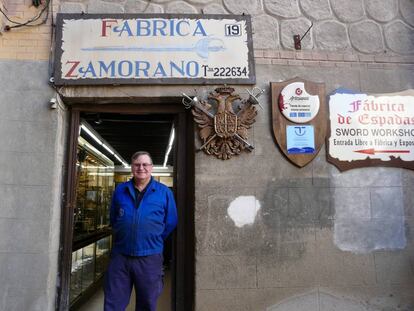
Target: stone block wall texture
309	239
31	157
316	239
381	29
32	140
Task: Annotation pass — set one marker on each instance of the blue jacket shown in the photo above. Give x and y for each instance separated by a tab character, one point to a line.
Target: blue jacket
140	231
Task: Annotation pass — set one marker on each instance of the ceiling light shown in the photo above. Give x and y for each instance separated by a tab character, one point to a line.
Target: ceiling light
169	147
84	143
89	132
95	136
108	149
160	167
98	119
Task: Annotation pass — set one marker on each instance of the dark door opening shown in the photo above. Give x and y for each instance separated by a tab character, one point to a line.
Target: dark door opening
102	140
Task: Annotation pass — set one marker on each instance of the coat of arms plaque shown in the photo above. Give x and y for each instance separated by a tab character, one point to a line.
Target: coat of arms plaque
223	121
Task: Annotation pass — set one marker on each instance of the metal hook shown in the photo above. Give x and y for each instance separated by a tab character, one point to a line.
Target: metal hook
297	39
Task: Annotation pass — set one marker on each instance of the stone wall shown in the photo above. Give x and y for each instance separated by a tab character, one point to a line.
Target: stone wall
315	238
31	156
31	163
374	27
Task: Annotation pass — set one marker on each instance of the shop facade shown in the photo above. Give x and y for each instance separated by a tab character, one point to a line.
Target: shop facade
309	238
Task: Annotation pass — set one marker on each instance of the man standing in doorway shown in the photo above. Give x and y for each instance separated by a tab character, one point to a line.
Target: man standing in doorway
143	214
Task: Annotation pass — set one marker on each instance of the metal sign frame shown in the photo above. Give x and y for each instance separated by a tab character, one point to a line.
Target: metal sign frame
59	52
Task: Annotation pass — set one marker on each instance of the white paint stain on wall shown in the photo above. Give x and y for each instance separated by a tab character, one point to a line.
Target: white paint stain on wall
243	210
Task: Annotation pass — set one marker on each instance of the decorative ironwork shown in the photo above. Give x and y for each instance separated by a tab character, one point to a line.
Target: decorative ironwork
224	133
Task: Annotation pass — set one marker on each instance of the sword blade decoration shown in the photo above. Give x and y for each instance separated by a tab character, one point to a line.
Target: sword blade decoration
194	102
208	141
253	98
202	48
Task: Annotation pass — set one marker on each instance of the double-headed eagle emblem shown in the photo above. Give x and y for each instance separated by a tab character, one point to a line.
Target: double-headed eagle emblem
223	128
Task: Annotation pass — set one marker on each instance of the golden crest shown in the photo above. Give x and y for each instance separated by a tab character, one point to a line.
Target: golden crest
223	134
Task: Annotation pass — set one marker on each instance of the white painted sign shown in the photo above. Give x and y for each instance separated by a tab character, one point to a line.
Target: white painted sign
296	104
372	127
149	48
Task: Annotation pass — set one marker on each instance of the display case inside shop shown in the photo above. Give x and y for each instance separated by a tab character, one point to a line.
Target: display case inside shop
88	266
91	232
95	184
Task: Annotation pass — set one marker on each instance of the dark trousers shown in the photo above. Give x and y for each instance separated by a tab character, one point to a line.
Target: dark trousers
144	273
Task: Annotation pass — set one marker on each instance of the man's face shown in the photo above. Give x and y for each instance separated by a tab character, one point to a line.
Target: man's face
141	168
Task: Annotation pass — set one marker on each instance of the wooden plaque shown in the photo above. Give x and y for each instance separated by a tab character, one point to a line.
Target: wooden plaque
280	122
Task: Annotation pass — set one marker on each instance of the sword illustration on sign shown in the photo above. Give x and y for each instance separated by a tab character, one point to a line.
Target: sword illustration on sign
202	48
374	151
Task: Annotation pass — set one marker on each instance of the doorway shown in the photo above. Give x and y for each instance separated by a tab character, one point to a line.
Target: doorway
103	137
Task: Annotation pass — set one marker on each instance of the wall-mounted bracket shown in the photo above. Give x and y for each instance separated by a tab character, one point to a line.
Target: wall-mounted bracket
297	39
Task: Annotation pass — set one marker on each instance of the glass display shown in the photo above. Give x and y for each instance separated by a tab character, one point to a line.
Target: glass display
88	265
76	275
166	180
95	184
103	247
91	234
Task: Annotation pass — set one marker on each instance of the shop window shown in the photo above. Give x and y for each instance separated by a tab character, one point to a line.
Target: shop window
92	234
88	266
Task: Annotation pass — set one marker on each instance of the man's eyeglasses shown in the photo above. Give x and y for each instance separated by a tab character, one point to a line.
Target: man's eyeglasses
144	165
